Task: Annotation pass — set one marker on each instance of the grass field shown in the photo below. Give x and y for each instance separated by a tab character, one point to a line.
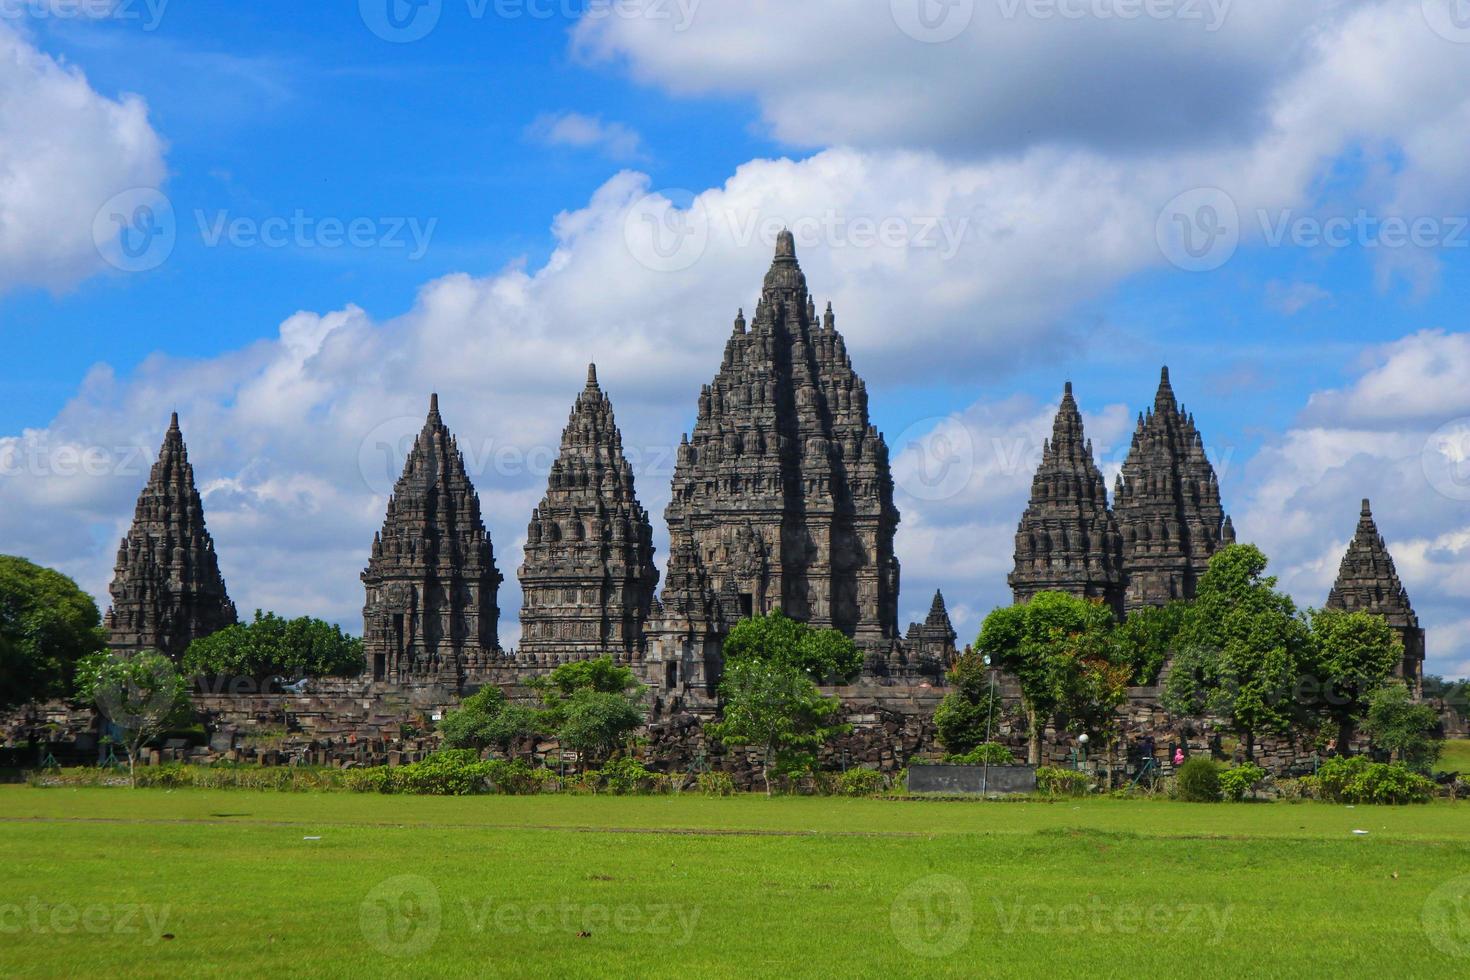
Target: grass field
153	883
1456	756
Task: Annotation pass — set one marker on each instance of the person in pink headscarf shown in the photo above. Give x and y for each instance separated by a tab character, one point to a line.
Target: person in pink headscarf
1179	756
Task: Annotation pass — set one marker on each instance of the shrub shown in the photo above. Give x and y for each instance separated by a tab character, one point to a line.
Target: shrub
514	778
450	772
1296	790
986	753
170	775
1240	780
1360	780
626	777
378	779
715	784
863	782
1199	781
1061	782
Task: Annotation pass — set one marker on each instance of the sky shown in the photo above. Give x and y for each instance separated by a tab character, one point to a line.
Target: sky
292	222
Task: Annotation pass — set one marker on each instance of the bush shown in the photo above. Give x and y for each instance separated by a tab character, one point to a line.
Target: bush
1199	781
515	778
986	753
1240	780
863	782
450	772
170	775
1360	780
626	777
1296	790
378	779
715	784
1061	782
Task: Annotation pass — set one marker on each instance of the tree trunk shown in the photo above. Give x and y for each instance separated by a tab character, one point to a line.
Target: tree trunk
766	769
1250	745
1345	732
1033	743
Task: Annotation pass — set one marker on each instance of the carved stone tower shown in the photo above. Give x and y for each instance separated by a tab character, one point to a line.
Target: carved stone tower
431	611
1167	503
933	640
782	496
588	578
1068	540
1368	582
167	590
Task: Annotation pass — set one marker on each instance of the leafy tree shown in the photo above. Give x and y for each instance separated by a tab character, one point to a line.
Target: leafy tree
270	645
592	706
1353	653
1146	639
1241	649
824	655
486	719
969	713
1456	694
775	706
47	624
1059	648
1407	729
142	695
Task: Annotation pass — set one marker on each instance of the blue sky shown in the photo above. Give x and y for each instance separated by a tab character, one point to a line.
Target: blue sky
522	148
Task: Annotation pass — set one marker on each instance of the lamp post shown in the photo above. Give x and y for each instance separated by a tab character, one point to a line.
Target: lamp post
1081	751
989	714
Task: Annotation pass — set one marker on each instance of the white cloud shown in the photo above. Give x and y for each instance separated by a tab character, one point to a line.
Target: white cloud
583	132
64	151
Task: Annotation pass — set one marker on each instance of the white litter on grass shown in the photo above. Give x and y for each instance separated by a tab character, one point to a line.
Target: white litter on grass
318	838
1360	831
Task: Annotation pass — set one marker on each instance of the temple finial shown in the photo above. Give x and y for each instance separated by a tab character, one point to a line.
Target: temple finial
1067	389
592	375
434	403
173	422
1367	508
786	245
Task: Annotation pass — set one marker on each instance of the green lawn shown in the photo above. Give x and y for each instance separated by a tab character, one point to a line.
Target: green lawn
151	883
1456	756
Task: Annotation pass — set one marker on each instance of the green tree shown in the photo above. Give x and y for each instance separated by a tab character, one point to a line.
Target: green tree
774	706
141	694
1402	726
824	655
1353	653
592	706
1146	640
486	719
1059	648
969	712
47	625
1241	650
271	645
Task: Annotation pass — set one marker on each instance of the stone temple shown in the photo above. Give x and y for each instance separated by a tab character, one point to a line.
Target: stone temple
432	611
782	495
1068	540
588	578
1367	581
167	590
1167	502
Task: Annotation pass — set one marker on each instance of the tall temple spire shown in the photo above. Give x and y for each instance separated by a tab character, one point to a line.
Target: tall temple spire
1367	581
1068	540
431	612
167	590
934	639
1167	503
783	495
588	578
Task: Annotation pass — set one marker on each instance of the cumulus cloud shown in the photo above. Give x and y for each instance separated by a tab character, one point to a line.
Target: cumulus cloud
583	132
65	150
